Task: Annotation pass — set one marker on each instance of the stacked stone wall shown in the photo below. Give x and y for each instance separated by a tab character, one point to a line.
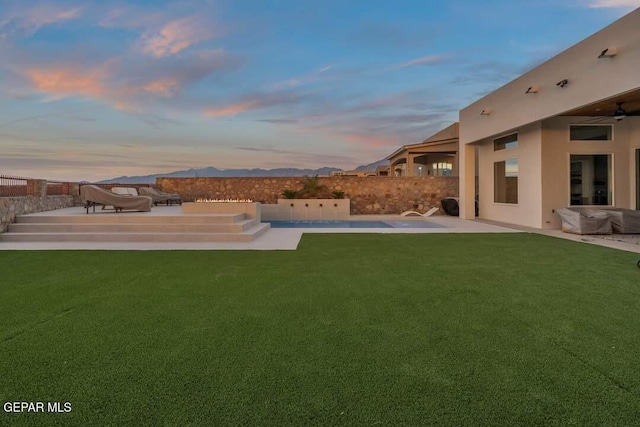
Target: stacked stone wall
370	195
10	207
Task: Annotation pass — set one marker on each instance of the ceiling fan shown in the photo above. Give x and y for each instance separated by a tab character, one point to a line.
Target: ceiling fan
619	114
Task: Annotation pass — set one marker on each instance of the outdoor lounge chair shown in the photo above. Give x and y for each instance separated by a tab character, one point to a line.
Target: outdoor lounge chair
584	221
160	196
424	215
624	221
93	195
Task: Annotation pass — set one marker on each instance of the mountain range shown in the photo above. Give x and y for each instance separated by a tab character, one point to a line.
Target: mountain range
234	173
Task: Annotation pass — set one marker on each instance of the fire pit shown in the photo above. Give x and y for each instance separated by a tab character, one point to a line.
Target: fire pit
223	206
201	200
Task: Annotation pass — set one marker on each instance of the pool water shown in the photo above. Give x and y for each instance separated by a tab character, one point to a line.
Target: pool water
352	224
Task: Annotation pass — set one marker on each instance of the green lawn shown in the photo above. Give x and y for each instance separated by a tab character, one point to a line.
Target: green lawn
511	329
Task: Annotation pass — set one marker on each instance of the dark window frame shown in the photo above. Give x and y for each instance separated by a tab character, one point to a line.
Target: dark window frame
608	135
503	142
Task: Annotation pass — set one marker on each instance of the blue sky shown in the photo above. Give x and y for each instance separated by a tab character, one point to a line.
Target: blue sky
91	90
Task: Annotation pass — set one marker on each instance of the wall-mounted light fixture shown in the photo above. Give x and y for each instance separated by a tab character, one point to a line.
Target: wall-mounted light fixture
562	83
609	52
486	112
533	89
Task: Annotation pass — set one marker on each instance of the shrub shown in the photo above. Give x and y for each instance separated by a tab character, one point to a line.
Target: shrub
312	189
337	194
290	194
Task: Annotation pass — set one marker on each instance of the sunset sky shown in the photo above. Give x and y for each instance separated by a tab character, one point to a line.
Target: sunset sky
93	90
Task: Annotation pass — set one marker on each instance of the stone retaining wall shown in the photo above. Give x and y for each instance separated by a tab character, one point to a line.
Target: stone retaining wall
10	207
370	195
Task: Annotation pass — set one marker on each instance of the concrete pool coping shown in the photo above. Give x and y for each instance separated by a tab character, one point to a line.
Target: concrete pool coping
273	239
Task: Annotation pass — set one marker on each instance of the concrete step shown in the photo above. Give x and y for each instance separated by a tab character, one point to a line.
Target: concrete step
244	236
139	227
129	218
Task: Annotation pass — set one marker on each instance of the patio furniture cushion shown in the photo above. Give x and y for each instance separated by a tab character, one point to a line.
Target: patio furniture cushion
584	221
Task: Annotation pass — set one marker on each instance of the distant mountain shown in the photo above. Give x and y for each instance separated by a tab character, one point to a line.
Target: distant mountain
221	173
372	166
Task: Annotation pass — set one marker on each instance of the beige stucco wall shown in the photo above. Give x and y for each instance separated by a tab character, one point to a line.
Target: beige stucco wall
590	80
527	212
634	144
556	151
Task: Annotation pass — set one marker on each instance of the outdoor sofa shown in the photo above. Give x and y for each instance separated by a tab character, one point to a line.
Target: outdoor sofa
93	195
624	221
160	196
585	221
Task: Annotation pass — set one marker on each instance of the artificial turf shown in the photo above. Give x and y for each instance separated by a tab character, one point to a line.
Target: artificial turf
509	329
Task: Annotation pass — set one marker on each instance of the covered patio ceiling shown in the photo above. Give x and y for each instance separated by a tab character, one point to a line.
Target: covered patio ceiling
630	103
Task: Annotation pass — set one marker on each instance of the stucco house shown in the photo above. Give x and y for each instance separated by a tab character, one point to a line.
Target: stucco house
435	156
566	133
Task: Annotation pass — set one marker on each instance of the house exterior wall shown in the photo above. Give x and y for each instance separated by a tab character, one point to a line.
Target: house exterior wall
512	108
557	149
634	144
527	211
589	80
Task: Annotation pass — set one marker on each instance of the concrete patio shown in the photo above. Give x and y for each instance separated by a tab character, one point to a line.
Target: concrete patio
272	239
289	238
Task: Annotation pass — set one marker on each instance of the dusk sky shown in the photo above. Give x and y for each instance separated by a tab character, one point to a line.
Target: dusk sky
93	90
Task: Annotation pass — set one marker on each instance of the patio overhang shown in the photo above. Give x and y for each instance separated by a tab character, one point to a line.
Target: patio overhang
629	102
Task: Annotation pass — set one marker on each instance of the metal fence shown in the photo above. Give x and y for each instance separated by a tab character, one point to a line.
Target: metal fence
15	186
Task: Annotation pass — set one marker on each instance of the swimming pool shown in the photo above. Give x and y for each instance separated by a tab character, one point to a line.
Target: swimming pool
352	224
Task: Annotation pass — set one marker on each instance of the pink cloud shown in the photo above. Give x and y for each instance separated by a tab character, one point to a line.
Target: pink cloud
65	81
233	109
177	35
70	80
166	87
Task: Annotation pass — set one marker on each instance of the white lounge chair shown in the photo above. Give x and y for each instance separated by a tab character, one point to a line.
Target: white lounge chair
424	215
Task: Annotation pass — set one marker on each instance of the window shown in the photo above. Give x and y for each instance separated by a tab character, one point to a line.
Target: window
590	179
506	142
590	132
442	169
505	180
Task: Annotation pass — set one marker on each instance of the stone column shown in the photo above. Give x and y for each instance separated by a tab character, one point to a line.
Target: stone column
410	171
74	189
37	187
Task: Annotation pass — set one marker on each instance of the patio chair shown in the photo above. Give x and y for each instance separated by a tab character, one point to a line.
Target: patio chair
584	221
424	215
93	195
160	196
